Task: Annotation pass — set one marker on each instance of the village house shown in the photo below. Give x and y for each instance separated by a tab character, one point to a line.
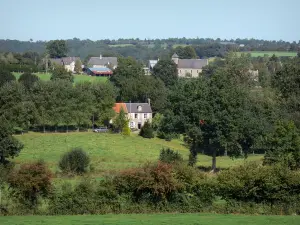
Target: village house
136	113
67	62
189	67
100	62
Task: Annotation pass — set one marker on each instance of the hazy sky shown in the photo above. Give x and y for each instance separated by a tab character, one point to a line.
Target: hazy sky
113	19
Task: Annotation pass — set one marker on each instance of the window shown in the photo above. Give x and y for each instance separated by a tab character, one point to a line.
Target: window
179	71
191	71
131	124
139	108
145	115
136	115
197	71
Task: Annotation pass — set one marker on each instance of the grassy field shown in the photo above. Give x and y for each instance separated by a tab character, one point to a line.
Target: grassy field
132	219
108	152
77	78
270	53
120	45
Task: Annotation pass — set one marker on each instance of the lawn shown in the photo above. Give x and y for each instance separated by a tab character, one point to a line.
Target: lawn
132	219
108	152
77	78
270	53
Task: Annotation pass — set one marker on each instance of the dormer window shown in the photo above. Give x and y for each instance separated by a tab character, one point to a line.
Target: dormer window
139	108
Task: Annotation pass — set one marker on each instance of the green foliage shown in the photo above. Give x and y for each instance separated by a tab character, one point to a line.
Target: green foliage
78	68
28	80
147	130
5	77
30	181
168	155
57	48
126	129
283	145
187	52
156	121
9	145
259	184
60	73
75	161
166	70
120	122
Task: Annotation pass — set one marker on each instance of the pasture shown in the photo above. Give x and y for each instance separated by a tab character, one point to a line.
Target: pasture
109	153
77	78
270	53
132	219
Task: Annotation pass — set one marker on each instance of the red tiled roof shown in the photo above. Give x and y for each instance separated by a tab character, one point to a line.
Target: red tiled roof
118	106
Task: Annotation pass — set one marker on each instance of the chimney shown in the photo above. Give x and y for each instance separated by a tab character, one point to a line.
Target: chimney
149	101
100	56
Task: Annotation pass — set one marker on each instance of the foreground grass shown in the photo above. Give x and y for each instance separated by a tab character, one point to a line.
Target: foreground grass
200	219
108	152
270	53
77	78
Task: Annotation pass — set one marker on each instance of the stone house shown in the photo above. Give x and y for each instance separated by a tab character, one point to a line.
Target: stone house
100	62
67	62
189	67
137	113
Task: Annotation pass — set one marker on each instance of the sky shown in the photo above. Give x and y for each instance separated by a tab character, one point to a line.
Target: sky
104	19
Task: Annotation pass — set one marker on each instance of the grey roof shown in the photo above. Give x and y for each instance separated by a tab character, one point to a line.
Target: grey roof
64	60
192	63
175	55
152	63
103	61
133	107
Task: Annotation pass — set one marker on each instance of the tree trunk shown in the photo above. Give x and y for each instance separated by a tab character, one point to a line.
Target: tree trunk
214	161
44	129
225	153
67	129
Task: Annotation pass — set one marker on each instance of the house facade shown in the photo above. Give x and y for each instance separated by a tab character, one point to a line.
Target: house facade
189	67
67	62
136	113
101	62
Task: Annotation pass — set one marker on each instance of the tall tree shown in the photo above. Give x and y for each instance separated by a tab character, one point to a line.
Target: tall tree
78	66
9	146
60	73
57	48
6	76
28	80
166	70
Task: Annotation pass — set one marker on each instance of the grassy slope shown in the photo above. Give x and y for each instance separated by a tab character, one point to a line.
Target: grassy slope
77	78
270	53
200	219
109	152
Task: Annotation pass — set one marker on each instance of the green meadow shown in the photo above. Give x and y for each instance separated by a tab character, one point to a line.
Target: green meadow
270	53
145	219
77	78
109	153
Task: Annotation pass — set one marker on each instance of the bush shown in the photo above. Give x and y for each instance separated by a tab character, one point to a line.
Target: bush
126	129
170	156
29	182
74	161
259	184
28	79
147	130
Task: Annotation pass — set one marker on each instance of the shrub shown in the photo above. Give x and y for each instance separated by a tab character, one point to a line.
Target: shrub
74	161
259	184
147	130
28	79
29	182
170	156
152	182
126	129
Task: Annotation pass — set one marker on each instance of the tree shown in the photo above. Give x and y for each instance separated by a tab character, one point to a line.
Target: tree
187	52
78	66
60	73
9	146
57	48
74	161
147	130
166	70
28	80
5	77
30	181
283	145
120	121
126	129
